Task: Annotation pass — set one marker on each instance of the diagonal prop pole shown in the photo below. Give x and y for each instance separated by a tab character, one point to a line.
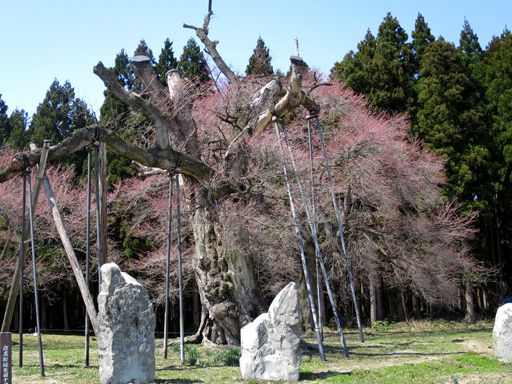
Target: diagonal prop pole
341	231
70	252
167	266
34	276
13	293
319	257
300	243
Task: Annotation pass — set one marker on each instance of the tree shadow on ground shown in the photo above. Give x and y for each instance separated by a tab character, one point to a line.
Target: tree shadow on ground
311	350
181	381
321	375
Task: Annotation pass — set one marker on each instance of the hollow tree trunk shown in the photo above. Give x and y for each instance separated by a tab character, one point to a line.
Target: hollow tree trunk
225	279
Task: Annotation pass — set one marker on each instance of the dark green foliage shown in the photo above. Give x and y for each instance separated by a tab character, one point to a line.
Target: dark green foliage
131	245
57	117
392	68
260	61
451	121
192	64
382	68
497	73
59	114
18	138
421	38
469	44
123	70
5	128
355	70
166	61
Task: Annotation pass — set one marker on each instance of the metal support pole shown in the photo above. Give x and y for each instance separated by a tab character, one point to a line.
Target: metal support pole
341	231
300	243
318	252
15	286
314	228
98	209
180	273
22	263
87	252
34	275
168	266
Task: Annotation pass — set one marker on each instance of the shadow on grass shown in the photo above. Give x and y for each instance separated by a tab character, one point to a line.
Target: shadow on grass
179	368
321	375
311	350
184	381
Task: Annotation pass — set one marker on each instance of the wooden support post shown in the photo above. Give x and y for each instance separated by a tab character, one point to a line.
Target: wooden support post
5	358
13	293
77	271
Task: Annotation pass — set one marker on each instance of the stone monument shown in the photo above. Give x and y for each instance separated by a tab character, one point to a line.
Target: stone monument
126	325
271	343
502	333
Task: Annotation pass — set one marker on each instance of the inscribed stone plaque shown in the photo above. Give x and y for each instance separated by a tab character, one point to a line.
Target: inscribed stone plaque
5	361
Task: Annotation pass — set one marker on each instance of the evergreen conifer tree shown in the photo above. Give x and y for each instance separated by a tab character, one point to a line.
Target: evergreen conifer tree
18	137
260	61
421	38
5	128
355	70
192	64
451	121
469	44
52	119
166	61
392	79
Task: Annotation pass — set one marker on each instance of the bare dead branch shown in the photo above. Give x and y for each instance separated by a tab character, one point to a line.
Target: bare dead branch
211	46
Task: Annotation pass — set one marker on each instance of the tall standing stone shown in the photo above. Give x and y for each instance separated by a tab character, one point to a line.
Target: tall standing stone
126	324
271	343
502	333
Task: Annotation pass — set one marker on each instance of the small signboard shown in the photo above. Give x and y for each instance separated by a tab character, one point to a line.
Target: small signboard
6	358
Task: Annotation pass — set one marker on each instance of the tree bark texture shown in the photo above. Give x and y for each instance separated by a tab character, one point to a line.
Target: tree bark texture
470	304
225	279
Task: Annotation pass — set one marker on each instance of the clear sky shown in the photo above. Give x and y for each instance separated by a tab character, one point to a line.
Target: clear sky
46	39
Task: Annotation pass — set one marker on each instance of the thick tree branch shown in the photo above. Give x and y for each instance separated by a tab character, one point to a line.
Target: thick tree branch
266	104
158	97
158	116
168	159
211	46
146	73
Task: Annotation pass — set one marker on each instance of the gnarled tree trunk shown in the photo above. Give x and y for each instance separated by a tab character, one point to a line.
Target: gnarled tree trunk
225	279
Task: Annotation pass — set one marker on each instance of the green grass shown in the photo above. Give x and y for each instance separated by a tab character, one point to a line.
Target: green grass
418	352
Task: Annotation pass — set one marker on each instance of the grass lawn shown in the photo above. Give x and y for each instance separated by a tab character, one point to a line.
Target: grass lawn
418	352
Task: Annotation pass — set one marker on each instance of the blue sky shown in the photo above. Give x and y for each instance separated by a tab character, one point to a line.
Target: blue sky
44	40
